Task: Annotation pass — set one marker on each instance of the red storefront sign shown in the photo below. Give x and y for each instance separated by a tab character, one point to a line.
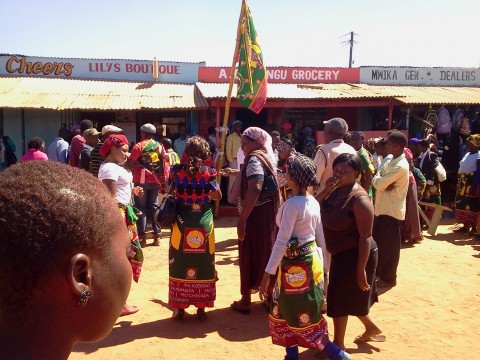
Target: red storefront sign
289	75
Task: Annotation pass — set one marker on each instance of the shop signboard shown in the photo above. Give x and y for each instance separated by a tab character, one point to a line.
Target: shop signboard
132	70
287	75
420	76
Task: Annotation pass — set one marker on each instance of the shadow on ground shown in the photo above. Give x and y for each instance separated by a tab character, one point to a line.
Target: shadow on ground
230	325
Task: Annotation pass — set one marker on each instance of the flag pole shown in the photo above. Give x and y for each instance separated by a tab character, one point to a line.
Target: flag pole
229	98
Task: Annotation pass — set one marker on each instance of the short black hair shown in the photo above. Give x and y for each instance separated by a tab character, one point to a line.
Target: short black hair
358	133
167	143
381	142
64	133
275	133
424	143
36	143
55	212
398	138
181	124
85	124
353	160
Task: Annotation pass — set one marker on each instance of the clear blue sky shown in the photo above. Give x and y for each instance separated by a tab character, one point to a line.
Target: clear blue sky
291	33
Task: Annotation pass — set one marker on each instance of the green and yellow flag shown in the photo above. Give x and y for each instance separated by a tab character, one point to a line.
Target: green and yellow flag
252	74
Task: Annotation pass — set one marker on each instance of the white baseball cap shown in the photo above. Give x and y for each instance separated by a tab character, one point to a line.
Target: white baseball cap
111	129
148	128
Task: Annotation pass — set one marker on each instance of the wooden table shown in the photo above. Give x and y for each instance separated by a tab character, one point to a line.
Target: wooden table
437	215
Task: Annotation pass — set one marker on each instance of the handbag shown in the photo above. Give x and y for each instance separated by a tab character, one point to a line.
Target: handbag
269	188
165	213
441	173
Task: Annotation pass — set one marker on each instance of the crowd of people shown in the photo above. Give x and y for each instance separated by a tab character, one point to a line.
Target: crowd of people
319	227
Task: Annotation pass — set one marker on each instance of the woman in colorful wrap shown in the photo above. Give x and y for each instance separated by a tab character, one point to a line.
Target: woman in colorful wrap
192	240
466	201
258	204
119	182
295	317
347	217
428	161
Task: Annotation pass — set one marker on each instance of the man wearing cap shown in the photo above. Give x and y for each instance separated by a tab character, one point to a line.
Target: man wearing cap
287	130
91	139
96	159
149	172
231	149
76	146
333	133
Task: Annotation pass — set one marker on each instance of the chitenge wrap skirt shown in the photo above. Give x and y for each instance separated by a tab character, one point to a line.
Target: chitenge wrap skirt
130	216
192	257
466	203
295	317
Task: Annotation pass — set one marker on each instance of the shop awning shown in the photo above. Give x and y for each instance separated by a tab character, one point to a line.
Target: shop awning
404	94
63	94
306	91
438	95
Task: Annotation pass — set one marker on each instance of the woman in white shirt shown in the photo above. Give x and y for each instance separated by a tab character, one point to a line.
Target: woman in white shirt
119	181
295	316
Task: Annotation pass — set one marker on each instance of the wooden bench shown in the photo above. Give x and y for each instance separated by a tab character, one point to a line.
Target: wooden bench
437	215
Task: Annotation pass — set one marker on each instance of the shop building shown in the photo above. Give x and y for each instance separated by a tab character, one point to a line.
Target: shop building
40	95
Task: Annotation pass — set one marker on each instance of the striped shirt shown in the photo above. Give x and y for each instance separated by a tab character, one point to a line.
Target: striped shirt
96	159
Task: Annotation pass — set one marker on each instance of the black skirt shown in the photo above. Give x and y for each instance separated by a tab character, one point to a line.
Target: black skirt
344	296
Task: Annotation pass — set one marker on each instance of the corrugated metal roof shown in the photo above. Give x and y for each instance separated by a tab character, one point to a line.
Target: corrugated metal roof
438	95
298	91
405	94
60	94
275	91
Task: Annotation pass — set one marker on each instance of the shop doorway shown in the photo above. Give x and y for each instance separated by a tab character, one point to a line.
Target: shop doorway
249	118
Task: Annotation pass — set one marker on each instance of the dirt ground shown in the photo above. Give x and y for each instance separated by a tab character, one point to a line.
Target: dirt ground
433	312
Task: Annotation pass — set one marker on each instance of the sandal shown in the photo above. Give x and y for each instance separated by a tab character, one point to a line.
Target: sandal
128	310
240	307
373	338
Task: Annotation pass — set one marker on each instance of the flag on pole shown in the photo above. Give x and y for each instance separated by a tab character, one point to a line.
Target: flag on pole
252	74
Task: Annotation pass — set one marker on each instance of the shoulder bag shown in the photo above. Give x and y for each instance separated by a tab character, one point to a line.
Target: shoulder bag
165	213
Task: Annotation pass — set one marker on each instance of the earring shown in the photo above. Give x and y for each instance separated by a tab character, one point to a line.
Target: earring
84	297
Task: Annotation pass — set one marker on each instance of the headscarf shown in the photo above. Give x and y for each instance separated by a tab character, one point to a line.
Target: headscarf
284	144
474	139
303	171
263	138
113	140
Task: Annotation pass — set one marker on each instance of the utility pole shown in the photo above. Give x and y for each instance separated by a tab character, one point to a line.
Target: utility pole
351	49
350	43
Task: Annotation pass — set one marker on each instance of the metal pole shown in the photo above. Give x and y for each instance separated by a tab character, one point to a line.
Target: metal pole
351	50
